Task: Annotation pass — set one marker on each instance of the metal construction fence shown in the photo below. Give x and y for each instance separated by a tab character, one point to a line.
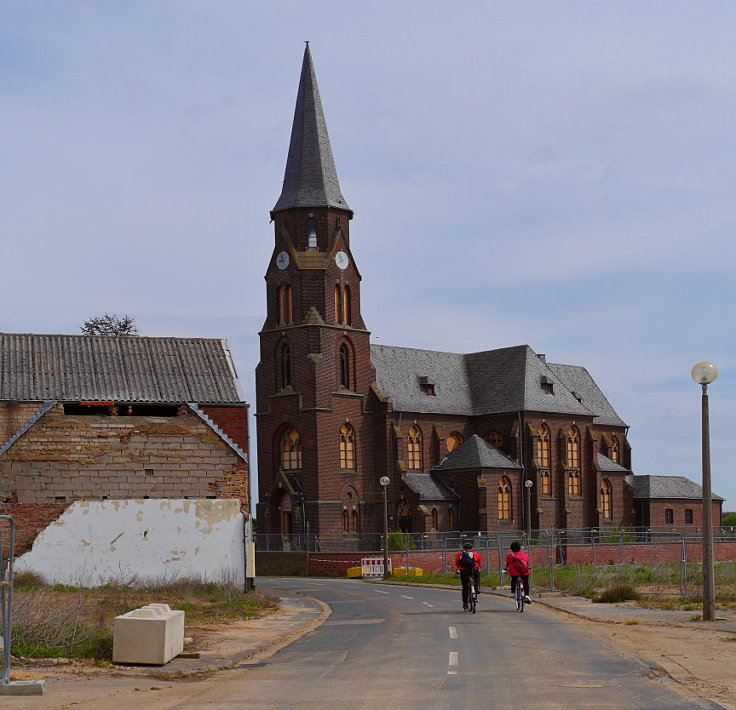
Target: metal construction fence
7	547
435	552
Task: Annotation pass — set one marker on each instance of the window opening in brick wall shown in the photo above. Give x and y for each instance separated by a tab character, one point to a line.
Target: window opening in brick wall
669	516
605	501
504	499
544	483
573	447
434	519
613	449
453	441
345	521
285	367
347	447
354	520
285	310
107	409
450	518
148	471
414	441
688	516
344	367
542	447
291	450
573	483
494	439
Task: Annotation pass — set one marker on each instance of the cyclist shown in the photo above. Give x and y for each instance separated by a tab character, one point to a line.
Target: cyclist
468	564
517	565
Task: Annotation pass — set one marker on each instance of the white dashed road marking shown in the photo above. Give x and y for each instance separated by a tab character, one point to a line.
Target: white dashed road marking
378	591
405	597
453	632
428	604
452	670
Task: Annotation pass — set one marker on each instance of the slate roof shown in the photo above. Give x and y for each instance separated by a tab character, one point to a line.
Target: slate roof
475	453
492	381
608	466
310	179
666	487
72	368
428	487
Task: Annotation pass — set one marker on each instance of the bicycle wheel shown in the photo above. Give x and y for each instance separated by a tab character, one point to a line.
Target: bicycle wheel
519	597
473	599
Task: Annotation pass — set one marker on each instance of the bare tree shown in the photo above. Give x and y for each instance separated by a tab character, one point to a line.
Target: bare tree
110	325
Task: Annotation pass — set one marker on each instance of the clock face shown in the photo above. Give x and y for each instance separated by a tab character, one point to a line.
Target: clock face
282	260
342	260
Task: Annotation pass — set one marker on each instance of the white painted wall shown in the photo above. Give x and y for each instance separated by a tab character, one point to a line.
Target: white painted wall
128	541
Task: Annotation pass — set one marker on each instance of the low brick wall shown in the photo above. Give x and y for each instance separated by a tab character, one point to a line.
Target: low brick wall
282	563
645	553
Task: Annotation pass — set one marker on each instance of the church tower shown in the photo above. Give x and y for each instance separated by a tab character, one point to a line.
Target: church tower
314	375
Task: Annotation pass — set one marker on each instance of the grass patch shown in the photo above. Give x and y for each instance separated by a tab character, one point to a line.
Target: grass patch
59	621
616	593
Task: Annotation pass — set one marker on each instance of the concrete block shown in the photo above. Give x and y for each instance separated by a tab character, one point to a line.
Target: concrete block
23	687
153	635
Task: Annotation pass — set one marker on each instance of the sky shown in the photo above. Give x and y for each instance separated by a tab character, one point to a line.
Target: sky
551	173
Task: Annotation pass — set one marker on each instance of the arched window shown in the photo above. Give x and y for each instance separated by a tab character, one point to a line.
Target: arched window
453	441
415	449
434	519
354	520
285	315
504	499
344	367
573	483
573	448
613	449
605	503
346	305
542	453
450	518
544	483
347	447
338	305
345	521
285	366
291	450
311	233
495	439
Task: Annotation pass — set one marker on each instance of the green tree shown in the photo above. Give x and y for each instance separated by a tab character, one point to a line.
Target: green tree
729	520
110	325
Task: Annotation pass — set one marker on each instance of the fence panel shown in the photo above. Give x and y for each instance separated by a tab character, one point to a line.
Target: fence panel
7	558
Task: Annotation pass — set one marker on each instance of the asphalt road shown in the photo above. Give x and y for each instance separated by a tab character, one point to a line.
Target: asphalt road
410	648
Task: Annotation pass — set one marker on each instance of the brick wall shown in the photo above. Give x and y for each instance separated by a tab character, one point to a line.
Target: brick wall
13	415
233	421
65	458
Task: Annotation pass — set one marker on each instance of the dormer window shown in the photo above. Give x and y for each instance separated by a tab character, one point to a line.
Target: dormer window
547	385
426	386
311	233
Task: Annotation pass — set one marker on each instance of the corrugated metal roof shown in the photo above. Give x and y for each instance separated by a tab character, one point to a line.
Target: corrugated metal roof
69	368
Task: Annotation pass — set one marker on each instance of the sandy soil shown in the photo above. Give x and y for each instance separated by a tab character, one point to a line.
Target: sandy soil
701	660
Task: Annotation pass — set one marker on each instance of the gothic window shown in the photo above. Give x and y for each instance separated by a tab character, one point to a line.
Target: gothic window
453	441
434	519
347	447
312	233
285	315
345	521
542	445
338	305
605	503
613	449
291	450
354	520
544	483
415	449
450	518
495	439
346	315
573	483
344	367
573	448
504	499
285	366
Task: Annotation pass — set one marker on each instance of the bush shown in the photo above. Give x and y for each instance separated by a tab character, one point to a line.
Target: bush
616	593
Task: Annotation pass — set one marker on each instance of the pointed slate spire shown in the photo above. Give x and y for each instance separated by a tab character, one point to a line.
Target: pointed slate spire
310	179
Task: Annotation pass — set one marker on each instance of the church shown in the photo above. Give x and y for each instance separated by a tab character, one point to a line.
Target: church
485	441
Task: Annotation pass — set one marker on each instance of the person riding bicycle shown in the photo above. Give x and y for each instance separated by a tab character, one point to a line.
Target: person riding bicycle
517	565
468	564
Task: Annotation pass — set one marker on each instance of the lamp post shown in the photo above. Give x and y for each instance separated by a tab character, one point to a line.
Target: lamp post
704	373
528	485
384	481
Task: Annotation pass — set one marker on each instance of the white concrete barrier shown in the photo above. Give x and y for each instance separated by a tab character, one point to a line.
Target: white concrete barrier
153	634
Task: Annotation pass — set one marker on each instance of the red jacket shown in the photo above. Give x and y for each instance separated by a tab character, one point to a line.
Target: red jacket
476	557
515	567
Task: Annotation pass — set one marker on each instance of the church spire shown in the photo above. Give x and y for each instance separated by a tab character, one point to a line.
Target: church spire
310	179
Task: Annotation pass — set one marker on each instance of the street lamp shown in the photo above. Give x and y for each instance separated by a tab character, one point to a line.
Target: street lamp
704	373
528	485
384	481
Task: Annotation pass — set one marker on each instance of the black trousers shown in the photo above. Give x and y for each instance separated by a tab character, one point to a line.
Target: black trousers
525	583
465	575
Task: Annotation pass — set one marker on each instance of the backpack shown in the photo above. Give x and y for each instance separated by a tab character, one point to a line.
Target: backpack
467	560
521	565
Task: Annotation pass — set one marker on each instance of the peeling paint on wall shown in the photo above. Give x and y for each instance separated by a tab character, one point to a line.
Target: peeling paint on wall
95	542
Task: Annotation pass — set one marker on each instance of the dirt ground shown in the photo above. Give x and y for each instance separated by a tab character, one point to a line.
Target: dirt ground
701	660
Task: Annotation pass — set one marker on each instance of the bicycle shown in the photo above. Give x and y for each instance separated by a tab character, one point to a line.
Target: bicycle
519	598
472	593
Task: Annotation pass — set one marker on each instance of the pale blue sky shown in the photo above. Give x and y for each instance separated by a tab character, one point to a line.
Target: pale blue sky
553	173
